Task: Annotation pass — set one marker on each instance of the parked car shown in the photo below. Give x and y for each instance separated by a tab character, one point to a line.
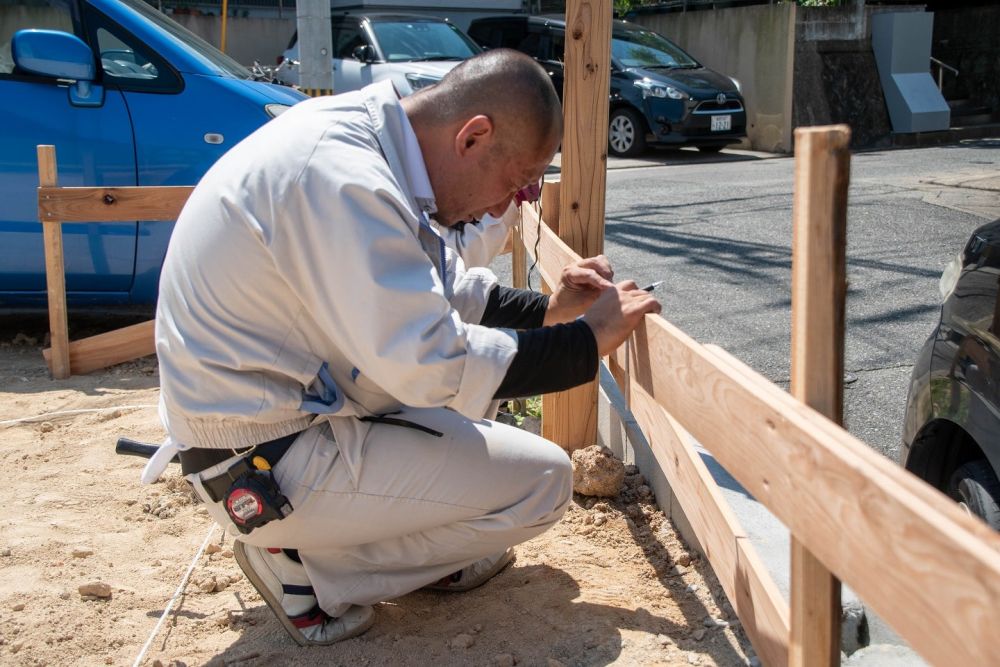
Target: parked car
128	97
951	432
410	50
659	94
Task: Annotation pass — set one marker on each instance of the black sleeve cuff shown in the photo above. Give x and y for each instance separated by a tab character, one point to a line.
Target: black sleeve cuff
551	359
512	308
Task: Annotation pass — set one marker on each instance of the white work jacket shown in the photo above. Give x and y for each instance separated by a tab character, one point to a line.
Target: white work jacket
303	278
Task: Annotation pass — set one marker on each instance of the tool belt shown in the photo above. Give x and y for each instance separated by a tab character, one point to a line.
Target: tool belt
201	458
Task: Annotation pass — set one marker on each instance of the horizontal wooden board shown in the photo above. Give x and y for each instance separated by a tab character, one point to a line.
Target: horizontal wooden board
123	204
747	584
929	570
106	349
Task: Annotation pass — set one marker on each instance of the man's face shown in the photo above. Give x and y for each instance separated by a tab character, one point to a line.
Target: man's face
488	183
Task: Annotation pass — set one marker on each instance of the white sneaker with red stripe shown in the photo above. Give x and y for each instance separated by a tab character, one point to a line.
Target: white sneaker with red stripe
283	584
474	575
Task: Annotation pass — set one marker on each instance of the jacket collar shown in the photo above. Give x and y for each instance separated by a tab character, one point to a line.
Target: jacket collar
396	134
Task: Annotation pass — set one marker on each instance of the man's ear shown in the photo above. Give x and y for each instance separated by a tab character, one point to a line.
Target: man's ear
476	134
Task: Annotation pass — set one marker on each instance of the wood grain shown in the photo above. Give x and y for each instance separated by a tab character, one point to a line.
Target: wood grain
746	582
929	570
124	204
819	289
110	348
55	273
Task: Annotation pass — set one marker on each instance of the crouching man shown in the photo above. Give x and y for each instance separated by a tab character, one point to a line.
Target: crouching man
326	362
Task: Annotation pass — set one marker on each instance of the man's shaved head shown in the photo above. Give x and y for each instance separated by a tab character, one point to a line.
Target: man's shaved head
489	128
506	85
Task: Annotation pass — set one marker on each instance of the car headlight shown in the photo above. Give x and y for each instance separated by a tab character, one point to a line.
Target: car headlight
652	88
736	82
418	81
275	110
949	279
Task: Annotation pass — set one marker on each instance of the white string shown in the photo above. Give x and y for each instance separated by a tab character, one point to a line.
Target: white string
47	415
177	594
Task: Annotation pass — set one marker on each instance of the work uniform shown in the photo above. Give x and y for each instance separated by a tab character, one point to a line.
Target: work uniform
305	291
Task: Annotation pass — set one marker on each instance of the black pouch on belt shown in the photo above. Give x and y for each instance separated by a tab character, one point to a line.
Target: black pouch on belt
247	489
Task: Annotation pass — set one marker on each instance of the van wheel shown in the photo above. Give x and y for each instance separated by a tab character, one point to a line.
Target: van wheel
626	133
976	488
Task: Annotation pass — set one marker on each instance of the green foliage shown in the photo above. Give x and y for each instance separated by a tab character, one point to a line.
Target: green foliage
525	407
623	7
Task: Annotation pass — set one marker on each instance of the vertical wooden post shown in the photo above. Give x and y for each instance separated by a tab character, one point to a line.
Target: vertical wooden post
55	279
819	289
570	417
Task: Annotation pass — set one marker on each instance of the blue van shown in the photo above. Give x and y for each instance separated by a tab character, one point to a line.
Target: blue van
128	97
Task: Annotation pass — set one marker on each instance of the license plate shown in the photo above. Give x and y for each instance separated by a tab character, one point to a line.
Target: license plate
722	123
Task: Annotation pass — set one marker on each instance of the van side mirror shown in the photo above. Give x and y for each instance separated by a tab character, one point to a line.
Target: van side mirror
364	53
59	55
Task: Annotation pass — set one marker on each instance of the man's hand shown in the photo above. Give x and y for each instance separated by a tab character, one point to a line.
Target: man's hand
580	284
617	312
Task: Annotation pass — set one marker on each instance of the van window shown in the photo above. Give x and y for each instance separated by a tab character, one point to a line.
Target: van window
24	14
190	40
557	46
126	61
346	38
422	40
122	60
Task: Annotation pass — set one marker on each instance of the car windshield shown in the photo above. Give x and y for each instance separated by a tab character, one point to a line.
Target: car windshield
642	48
191	40
422	40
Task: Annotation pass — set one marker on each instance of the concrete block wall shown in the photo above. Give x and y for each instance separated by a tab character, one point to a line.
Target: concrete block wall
754	44
247	39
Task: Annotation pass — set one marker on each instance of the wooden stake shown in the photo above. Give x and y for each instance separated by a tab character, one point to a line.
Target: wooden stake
819	288
570	417
55	278
585	125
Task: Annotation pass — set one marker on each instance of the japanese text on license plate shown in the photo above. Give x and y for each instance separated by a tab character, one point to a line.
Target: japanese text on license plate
722	123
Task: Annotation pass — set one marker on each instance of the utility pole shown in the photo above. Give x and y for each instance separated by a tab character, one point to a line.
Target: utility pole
315	47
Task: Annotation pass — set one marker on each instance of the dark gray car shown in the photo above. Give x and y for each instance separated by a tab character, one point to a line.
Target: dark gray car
659	93
951	433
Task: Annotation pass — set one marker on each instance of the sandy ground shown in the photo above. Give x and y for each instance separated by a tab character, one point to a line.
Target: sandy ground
611	584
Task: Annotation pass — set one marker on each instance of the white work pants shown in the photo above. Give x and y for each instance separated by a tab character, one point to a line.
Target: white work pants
421	507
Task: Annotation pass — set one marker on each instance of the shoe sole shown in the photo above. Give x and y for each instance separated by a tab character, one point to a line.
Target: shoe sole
508	558
243	560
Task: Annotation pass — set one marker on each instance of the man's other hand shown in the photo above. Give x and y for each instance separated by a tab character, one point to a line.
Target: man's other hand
580	284
617	312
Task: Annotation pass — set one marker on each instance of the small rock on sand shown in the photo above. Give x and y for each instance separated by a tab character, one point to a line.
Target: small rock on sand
213	549
503	660
596	472
95	589
463	641
82	552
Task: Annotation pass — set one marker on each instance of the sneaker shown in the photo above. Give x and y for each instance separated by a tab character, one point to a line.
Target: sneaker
474	575
283	584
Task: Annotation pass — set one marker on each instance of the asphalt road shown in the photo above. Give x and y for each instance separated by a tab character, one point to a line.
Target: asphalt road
717	229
